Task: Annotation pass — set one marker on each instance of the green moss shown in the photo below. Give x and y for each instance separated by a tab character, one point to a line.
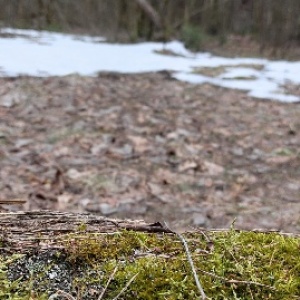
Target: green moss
241	265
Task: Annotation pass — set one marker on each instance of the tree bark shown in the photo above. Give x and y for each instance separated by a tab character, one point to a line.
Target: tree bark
150	12
26	229
36	230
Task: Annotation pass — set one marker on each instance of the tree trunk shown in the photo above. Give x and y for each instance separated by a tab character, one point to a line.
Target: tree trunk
150	12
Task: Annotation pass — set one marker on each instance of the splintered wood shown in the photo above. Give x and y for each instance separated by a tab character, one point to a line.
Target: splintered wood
21	230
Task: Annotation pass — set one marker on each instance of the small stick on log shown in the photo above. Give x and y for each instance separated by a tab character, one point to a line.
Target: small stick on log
12	201
190	260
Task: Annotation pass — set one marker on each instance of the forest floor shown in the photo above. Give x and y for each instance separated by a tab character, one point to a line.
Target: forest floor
247	46
146	146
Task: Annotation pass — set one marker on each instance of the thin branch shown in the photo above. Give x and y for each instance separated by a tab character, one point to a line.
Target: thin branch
12	201
108	282
249	283
126	286
237	281
189	257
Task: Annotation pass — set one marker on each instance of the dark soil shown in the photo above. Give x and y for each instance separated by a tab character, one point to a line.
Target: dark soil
146	146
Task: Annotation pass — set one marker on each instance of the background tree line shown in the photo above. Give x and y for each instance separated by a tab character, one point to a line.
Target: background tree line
273	23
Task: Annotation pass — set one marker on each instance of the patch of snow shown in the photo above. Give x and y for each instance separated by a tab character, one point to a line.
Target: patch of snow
42	53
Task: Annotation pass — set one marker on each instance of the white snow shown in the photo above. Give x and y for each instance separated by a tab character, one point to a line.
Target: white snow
41	53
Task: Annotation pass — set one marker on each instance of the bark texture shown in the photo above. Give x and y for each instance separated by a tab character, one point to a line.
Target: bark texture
27	229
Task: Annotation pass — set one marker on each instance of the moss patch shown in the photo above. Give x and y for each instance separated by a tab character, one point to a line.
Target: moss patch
230	265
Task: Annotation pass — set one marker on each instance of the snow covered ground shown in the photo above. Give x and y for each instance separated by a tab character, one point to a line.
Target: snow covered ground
41	53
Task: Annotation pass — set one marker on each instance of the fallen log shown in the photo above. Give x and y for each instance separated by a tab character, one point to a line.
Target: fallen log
22	230
56	255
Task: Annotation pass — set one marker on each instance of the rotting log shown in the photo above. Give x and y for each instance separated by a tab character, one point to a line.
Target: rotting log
25	228
46	254
27	225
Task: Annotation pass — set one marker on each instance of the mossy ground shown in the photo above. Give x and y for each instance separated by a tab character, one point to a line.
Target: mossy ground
230	265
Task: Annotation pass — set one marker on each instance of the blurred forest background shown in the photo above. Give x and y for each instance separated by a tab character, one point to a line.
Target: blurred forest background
145	146
269	26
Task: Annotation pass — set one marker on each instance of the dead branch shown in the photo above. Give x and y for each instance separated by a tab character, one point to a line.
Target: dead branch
12	201
190	260
150	12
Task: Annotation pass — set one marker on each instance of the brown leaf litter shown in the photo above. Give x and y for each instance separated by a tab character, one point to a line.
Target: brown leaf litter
148	147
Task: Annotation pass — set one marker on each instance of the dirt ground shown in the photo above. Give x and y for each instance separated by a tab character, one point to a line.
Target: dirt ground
149	147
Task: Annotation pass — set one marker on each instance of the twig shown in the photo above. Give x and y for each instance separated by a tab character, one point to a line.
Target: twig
251	294
108	282
237	281
189	257
12	201
126	286
249	283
